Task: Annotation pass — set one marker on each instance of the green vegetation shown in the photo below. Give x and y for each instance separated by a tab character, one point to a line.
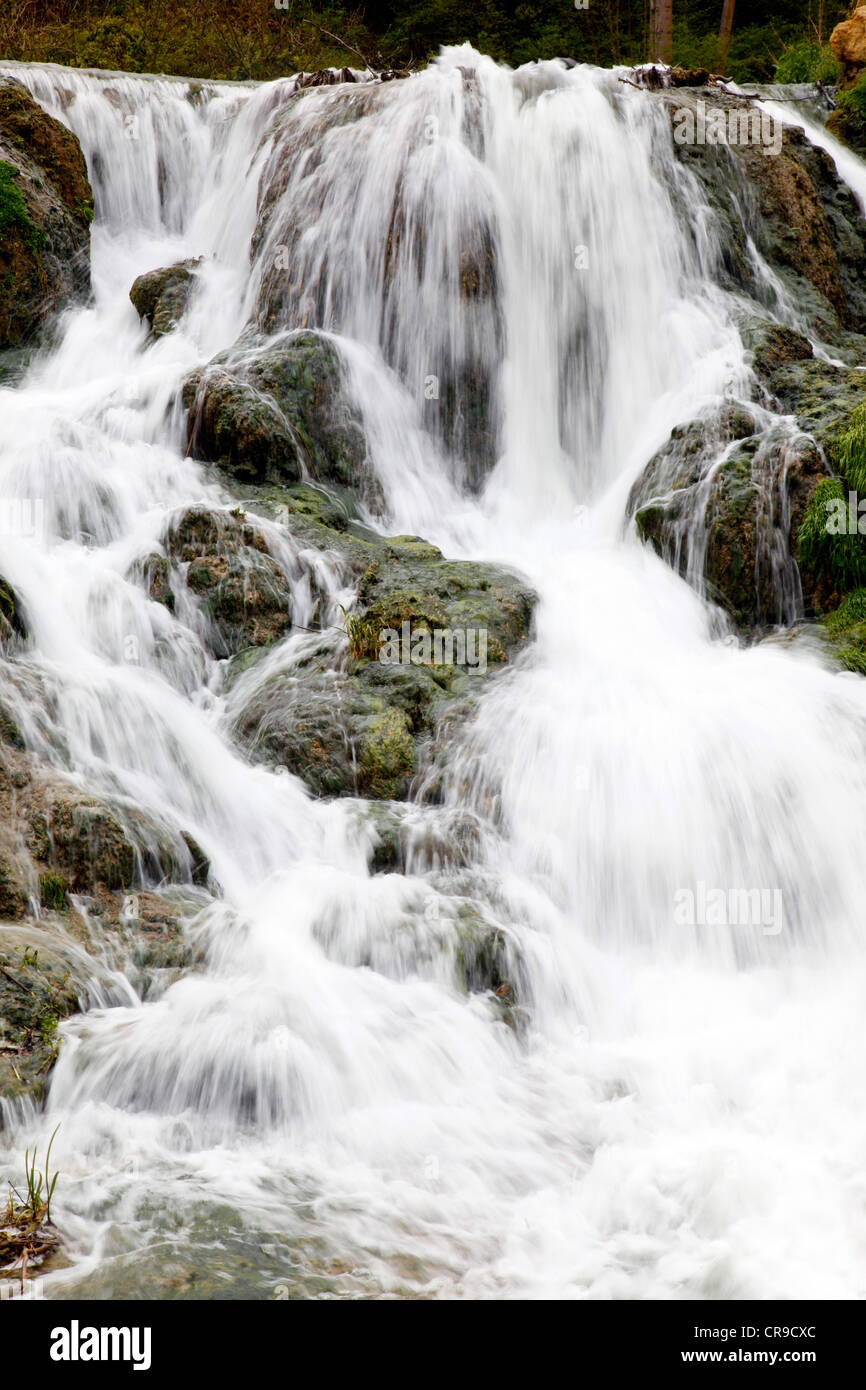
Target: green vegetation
849	121
363	634
13	211
52	891
822	549
849	449
26	1234
259	39
846	627
808	61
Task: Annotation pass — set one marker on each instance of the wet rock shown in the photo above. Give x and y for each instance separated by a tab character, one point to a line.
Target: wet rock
724	504
41	982
162	296
46	207
364	730
13	626
326	77
277	414
223	560
803	219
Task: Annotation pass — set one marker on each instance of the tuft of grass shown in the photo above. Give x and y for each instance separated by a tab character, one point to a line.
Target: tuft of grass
34	1209
52	891
363	634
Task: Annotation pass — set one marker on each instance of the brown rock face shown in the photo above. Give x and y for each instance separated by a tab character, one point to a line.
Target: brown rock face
46	207
848	42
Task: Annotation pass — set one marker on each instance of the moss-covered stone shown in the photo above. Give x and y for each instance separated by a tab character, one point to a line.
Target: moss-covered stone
363	729
37	991
162	296
222	559
13	625
724	506
46	207
387	755
276	414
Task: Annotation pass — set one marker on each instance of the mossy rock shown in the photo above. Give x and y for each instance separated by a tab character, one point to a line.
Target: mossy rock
222	561
318	723
711	502
280	413
13	624
38	989
162	296
46	207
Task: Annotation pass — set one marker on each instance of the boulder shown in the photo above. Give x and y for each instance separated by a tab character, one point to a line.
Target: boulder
162	296
363	727
279	413
793	205
724	505
46	208
222	561
848	42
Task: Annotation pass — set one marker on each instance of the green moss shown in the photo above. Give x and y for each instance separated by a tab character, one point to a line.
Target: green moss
387	755
13	211
841	557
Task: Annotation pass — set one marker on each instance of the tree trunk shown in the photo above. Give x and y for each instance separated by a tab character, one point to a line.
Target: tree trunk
661	31
725	34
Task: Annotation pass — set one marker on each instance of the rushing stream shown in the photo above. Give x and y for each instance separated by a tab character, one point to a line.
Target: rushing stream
315	1109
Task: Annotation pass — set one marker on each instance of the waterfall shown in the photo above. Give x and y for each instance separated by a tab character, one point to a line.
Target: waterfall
524	286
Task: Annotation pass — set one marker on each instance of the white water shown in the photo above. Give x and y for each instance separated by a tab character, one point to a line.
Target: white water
683	1115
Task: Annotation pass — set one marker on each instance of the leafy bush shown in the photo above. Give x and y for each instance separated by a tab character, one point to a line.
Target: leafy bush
806	61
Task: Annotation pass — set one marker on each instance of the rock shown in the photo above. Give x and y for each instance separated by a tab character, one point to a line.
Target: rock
364	730
773	346
40	985
804	221
46	207
13	626
279	413
224	562
161	296
731	527
848	42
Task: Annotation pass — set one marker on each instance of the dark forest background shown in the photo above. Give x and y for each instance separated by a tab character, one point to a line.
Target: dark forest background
267	38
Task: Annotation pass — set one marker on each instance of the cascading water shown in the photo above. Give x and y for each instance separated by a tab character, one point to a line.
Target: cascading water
316	1107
